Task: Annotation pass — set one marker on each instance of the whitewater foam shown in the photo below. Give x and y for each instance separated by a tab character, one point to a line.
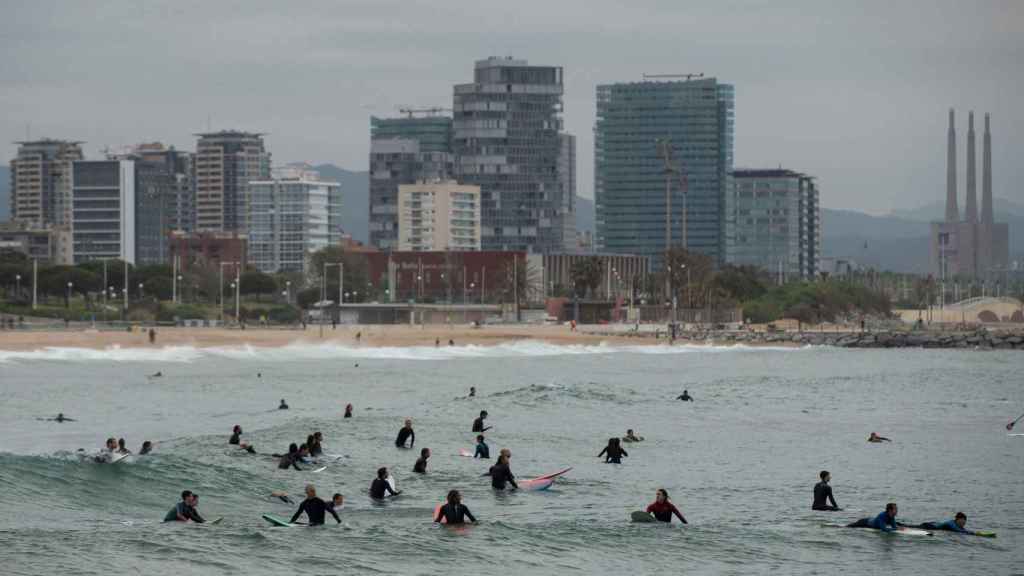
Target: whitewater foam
330	351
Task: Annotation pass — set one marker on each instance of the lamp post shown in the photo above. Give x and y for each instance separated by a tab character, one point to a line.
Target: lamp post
179	298
234	288
288	292
70	284
17	278
221	285
140	292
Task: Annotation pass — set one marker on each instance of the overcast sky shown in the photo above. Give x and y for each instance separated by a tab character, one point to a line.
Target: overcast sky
855	93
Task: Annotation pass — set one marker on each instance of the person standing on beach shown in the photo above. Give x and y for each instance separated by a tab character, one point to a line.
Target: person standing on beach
152	336
823	494
406	433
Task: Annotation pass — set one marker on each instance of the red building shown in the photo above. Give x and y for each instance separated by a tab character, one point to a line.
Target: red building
474	277
208	247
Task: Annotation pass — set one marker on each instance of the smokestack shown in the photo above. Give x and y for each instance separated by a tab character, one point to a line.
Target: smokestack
986	176
952	211
972	185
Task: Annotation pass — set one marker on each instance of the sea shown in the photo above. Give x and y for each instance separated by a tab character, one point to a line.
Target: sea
740	461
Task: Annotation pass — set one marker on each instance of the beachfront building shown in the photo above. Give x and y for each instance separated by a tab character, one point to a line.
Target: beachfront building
508	140
636	122
404	150
292	215
103	223
441	215
774	223
40	183
225	163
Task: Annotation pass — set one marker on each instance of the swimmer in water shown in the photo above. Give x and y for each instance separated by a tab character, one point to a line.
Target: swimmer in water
337	502
482	449
314	508
823	494
62	418
875	438
613	452
291	459
685	396
147	447
454	512
472	391
121	448
380	485
348	411
631	437
662	508
283	405
406	433
236	439
421	464
157	375
886	521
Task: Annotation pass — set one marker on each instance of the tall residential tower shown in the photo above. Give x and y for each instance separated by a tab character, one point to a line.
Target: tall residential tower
225	163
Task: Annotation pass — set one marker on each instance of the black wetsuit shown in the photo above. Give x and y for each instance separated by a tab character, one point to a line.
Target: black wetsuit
822	495
454	514
185	511
482	451
403	435
289	460
315	508
421	466
478	425
316	449
235	438
500	475
379	487
613	454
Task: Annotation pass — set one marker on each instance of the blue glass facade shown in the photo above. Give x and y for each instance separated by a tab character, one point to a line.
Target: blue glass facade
696	116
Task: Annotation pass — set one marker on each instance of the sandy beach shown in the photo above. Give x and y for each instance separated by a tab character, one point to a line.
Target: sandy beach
371	335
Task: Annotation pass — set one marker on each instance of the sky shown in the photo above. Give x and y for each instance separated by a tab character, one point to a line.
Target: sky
855	93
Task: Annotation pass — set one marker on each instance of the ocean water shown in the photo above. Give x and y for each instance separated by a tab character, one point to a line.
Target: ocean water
740	462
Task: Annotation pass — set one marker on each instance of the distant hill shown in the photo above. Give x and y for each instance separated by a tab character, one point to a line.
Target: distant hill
584	214
355	190
1003	209
5	193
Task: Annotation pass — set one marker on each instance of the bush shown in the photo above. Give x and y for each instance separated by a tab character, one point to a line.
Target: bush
168	313
283	315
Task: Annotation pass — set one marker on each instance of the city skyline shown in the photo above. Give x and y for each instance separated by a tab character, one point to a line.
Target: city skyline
809	83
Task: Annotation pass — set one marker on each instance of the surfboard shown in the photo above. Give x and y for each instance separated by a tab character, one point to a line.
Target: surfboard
320	469
465	453
985	533
216	521
1016	434
115	458
641	516
394	486
541	482
278	521
911	531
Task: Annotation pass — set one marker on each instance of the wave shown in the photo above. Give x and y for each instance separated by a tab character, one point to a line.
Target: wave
330	351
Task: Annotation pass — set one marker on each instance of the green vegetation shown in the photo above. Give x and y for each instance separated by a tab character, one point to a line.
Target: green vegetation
814	302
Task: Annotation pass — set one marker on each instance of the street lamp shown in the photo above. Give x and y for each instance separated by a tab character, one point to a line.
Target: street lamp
140	291
179	297
17	277
288	291
234	287
419	287
70	284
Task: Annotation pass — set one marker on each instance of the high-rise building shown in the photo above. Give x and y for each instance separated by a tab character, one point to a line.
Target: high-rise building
177	168
403	150
103	223
440	215
40	180
775	223
291	216
225	163
634	121
508	140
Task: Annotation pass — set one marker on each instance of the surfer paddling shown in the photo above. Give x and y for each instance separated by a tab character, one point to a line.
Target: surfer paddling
955	524
631	437
185	511
876	439
886	521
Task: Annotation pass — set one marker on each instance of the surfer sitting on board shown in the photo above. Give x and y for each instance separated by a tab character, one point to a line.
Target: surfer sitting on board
613	452
685	397
955	524
420	467
380	485
501	473
315	508
236	439
406	433
283	405
478	424
472	392
874	437
348	411
482	449
631	437
886	521
454	512
823	494
291	459
185	510
662	508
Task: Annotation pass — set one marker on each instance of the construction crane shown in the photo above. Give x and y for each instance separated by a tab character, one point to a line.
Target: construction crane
427	112
686	76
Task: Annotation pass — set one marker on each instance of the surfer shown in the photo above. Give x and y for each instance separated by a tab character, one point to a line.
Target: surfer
406	433
185	510
282	496
875	438
315	448
613	452
662	508
337	502
157	375
236	439
147	447
454	512
631	437
421	464
315	508
472	392
886	521
62	418
955	524
283	405
482	449
478	424
685	396
823	494
121	448
501	473
291	459
348	410
380	485
108	451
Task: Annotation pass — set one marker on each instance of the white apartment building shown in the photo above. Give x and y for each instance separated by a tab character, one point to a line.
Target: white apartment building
436	216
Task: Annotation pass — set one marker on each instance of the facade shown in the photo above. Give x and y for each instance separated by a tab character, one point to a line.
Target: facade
177	168
225	163
623	273
508	140
975	246
208	247
403	150
103	223
32	240
291	216
442	215
774	223
40	184
696	118
481	277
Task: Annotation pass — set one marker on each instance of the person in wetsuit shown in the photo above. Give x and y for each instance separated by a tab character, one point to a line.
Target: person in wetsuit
478	424
662	508
823	494
406	433
482	449
501	473
121	447
875	438
685	396
472	392
454	512
955	524
886	521
236	440
631	437
613	452
62	418
337	502
291	459
147	447
185	510
315	508
380	485
421	464
283	405
348	411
